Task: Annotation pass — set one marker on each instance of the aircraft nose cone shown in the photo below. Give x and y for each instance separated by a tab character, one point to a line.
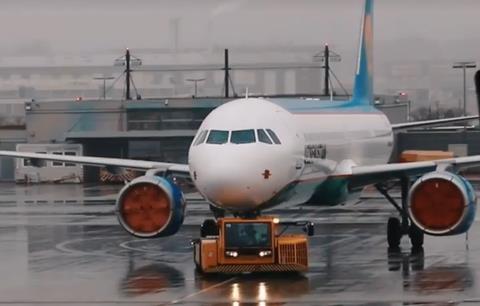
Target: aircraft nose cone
236	185
230	187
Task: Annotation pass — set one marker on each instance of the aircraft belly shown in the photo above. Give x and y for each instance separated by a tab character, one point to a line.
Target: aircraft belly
297	192
331	192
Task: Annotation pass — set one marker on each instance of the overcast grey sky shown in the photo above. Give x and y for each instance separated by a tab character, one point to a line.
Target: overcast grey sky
71	26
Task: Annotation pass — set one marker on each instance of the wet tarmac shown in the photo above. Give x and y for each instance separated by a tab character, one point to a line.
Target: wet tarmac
62	245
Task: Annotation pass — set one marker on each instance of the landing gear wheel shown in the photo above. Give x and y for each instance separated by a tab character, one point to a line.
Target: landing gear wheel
209	228
416	237
394	233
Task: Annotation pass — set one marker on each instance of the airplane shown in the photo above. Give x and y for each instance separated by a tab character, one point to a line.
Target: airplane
252	154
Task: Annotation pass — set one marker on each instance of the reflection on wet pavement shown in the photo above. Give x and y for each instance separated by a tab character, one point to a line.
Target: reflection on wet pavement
74	252
151	278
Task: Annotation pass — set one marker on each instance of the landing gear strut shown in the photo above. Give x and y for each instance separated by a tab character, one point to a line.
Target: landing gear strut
397	228
217	212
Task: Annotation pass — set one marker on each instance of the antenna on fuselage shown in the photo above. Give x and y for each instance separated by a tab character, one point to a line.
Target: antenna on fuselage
246	92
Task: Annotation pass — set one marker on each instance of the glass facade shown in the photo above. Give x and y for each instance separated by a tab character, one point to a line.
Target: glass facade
166	119
173	150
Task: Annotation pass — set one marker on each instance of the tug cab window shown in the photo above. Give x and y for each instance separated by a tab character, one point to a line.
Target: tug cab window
243	136
274	136
263	137
201	138
247	235
217	137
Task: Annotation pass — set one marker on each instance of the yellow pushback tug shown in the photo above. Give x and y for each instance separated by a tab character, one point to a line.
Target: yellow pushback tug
237	245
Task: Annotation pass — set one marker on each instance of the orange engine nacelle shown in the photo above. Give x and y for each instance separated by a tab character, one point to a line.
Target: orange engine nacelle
442	203
150	206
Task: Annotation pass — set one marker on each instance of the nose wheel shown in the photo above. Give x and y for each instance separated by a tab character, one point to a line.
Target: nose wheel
397	227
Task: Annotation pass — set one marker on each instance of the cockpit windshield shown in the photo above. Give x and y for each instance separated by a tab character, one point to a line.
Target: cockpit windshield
263	137
266	136
217	137
243	136
272	134
201	138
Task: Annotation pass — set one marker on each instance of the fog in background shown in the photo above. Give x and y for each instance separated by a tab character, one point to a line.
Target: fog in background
407	34
72	26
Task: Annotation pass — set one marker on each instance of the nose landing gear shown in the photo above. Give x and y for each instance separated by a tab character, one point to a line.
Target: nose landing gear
217	212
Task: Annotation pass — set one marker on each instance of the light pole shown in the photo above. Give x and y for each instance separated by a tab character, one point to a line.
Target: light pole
195	81
104	78
128	61
464	65
327	56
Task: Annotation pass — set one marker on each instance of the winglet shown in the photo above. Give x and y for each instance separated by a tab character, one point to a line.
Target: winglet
363	89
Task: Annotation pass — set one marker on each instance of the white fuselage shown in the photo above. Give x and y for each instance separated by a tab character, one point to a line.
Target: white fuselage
239	173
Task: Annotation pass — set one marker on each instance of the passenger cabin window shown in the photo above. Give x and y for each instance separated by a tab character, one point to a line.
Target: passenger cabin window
243	136
263	137
272	134
201	138
217	137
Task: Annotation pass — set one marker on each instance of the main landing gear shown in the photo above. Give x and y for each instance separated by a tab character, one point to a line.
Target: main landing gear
398	227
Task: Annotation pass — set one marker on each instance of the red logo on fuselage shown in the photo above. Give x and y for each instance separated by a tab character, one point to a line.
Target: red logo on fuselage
266	174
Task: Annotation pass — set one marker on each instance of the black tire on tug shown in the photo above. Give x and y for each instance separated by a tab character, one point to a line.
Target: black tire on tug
394	232
209	228
416	236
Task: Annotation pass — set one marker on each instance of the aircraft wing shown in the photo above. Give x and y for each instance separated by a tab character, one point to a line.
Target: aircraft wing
365	175
100	161
406	125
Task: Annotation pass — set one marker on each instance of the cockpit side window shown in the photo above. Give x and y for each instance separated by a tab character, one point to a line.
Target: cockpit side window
201	138
217	137
263	137
243	136
274	136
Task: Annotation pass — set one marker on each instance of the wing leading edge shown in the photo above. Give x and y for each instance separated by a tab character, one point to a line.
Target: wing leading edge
406	125
100	161
365	175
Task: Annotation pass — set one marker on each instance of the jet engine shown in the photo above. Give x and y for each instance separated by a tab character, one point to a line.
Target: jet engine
442	203
150	206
